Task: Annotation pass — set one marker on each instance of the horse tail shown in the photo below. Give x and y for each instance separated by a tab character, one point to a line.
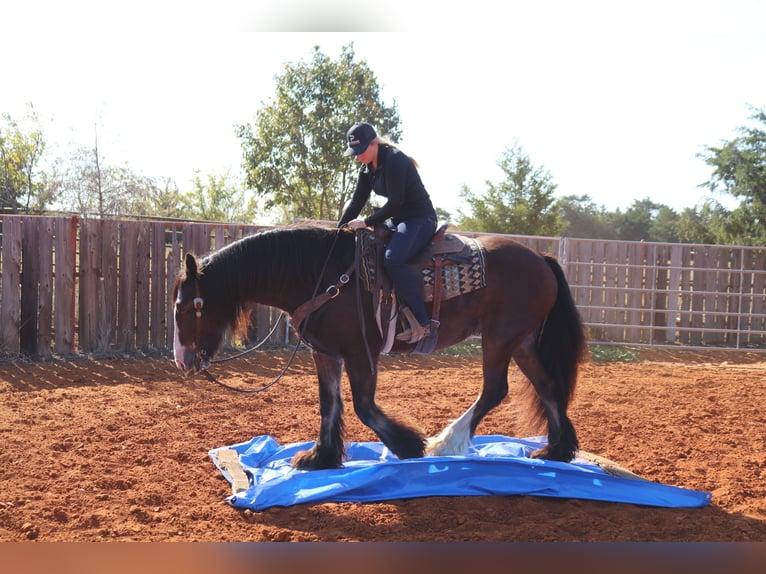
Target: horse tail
562	344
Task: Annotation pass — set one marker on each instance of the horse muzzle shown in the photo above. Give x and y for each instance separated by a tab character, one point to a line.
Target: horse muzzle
188	361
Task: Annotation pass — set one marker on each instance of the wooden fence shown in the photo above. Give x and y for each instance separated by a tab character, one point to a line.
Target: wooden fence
90	286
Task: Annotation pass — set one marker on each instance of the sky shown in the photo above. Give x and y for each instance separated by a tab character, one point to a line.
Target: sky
615	99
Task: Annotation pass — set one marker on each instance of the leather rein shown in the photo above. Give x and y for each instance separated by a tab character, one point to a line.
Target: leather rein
298	323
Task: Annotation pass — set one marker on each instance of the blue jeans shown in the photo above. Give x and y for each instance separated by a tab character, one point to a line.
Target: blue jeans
411	236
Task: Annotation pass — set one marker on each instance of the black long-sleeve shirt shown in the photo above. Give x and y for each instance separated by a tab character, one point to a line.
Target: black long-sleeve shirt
395	178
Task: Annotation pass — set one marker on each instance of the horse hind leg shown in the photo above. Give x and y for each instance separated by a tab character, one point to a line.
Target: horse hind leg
456	438
328	451
550	403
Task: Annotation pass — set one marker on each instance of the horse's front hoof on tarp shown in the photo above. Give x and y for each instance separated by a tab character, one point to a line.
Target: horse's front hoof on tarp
313	460
552	453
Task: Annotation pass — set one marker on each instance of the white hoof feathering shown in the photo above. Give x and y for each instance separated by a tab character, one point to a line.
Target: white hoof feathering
455	439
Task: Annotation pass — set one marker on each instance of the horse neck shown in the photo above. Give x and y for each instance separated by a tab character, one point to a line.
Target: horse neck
276	269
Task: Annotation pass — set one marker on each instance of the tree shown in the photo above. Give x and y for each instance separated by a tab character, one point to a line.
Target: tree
219	199
635	223
521	204
90	186
739	169
581	217
664	226
703	224
293	150
23	186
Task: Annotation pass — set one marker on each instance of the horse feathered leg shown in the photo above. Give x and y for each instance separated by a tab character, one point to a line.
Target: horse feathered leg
400	436
550	358
455	439
328	450
552	397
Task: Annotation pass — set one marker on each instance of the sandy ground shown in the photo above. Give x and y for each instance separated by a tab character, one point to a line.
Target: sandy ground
115	450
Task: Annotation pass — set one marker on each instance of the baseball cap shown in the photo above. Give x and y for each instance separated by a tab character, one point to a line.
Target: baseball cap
359	137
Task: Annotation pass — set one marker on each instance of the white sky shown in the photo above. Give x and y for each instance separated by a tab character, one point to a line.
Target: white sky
614	98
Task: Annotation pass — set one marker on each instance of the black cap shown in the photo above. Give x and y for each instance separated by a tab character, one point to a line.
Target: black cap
359	137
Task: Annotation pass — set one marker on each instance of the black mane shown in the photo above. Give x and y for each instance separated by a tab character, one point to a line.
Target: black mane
276	266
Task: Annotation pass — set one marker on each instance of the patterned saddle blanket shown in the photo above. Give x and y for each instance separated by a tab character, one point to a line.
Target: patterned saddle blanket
463	265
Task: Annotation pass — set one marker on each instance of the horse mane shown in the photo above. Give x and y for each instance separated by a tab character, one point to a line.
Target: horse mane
276	262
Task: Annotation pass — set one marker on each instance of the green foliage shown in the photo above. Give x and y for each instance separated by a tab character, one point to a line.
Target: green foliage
293	149
611	354
644	220
581	217
219	198
22	144
468	348
521	204
739	169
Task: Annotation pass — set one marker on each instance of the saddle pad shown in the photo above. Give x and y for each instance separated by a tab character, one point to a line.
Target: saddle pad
459	276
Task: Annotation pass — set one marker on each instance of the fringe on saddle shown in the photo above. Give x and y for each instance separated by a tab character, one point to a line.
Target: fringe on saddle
452	265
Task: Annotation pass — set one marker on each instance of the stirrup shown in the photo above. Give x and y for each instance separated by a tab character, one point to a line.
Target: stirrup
413	334
427	344
414	326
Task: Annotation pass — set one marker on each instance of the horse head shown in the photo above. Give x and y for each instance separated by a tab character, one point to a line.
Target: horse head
198	328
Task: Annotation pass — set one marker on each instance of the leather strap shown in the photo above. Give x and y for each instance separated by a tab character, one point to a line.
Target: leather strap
305	309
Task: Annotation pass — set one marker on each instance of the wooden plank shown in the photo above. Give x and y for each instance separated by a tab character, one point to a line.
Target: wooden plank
716	301
126	310
86	286
674	292
143	252
173	268
757	306
701	256
104	329
594	275
228	460
685	295
108	274
580	268
661	282
219	237
30	273
634	282
158	286
196	239
612	292
730	284
10	304
64	285
44	263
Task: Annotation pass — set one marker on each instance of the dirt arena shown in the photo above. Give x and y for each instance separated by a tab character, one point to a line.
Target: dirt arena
116	450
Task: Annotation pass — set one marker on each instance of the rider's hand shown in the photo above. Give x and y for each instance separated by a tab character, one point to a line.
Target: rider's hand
356	224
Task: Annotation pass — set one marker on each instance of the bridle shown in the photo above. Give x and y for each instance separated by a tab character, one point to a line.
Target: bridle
199	304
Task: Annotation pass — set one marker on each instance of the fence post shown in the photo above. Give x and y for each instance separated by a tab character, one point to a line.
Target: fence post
10	304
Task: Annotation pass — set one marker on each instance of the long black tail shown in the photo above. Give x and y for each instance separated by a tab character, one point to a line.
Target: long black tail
562	344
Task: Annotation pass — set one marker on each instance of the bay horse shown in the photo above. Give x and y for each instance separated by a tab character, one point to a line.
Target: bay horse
525	312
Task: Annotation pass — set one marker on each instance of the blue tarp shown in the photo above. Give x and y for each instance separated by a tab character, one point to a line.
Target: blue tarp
495	465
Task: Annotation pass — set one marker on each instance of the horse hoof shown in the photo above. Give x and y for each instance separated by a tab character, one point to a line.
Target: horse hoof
310	460
548	453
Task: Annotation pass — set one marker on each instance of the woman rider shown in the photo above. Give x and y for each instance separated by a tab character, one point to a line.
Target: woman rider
388	172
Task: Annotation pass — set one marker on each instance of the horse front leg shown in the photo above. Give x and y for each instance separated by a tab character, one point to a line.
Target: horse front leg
399	435
329	449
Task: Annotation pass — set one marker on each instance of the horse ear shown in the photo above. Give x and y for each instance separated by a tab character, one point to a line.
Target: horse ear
191	266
